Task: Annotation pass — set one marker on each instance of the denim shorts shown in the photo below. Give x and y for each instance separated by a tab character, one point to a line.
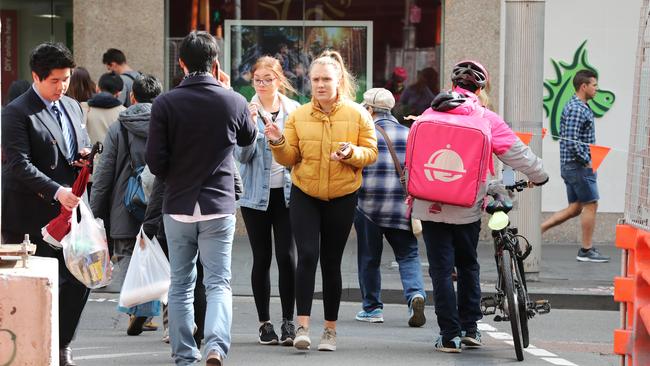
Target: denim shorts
580	183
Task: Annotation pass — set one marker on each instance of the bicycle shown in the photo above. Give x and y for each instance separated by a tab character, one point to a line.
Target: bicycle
510	250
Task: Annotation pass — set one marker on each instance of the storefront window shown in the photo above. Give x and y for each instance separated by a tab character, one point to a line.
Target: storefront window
374	36
25	24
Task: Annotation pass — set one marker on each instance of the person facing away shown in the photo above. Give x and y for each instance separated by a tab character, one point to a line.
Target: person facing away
381	212
451	232
417	97
577	131
192	134
265	204
102	109
82	87
326	142
115	61
42	140
16	89
124	147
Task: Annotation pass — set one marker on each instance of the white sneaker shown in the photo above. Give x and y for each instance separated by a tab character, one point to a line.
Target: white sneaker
327	340
302	341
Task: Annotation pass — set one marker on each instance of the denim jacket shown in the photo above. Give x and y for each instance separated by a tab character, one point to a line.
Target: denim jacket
255	164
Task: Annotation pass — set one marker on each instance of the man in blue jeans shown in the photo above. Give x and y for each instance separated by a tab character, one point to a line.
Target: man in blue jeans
577	131
192	134
381	212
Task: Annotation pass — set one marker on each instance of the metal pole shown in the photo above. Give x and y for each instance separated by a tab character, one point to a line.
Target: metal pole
523	85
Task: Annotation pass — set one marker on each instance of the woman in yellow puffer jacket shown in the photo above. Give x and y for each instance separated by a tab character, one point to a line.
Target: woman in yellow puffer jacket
327	142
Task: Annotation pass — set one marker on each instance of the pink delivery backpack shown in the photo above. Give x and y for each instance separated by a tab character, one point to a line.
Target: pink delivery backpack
448	157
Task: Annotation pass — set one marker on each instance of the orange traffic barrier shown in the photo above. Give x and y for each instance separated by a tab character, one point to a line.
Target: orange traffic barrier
632	290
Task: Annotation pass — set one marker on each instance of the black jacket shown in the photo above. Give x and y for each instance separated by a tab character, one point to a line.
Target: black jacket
34	163
192	134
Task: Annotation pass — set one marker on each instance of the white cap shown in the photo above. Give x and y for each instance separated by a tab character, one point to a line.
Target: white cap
379	98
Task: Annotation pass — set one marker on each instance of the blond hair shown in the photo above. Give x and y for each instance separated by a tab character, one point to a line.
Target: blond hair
273	64
347	85
483	96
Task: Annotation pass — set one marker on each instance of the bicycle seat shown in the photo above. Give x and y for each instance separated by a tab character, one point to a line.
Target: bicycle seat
499	205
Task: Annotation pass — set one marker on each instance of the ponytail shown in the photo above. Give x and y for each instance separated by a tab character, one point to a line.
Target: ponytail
347	85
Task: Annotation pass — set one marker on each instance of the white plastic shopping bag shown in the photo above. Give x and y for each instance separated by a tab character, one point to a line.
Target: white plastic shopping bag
148	275
85	249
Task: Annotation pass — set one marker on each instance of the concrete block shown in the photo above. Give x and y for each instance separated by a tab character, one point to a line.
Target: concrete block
29	308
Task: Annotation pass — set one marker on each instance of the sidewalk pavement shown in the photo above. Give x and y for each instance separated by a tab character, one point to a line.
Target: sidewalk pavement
565	282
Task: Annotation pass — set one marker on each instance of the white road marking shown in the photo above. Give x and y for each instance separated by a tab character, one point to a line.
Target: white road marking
500	336
539	352
115	355
559	361
486	327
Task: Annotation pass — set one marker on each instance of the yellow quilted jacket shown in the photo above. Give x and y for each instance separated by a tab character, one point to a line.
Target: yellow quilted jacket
312	135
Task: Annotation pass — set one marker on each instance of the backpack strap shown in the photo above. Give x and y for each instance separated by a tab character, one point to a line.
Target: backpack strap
131	76
393	154
125	134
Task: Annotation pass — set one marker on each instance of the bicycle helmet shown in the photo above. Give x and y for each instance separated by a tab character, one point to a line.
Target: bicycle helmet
469	72
446	101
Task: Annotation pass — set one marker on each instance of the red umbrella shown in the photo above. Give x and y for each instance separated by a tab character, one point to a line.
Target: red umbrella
59	227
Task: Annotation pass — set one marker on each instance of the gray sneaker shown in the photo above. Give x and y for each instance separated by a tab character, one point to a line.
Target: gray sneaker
591	255
416	312
302	341
327	340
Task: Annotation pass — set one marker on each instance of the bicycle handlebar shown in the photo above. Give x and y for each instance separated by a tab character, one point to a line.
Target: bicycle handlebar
518	186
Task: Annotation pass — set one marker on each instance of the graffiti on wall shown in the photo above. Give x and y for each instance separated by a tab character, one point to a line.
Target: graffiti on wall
561	90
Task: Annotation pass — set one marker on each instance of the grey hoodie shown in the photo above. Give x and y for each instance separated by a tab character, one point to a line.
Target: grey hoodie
112	173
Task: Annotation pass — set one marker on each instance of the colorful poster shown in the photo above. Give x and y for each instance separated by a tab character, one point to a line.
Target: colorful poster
295	44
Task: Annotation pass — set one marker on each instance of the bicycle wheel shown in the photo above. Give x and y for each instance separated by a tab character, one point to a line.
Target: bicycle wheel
512	303
522	298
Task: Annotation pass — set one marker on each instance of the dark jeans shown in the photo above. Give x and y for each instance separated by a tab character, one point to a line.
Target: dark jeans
450	245
72	293
321	229
370	244
258	226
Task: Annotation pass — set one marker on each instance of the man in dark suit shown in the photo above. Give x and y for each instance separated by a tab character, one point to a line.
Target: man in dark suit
192	135
42	140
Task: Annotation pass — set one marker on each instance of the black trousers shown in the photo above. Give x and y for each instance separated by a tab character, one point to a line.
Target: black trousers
72	293
321	229
259	225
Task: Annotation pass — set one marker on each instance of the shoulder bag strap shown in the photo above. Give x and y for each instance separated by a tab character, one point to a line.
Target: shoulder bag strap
125	134
393	154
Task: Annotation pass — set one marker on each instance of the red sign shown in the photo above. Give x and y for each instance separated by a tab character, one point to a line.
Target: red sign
415	14
8	50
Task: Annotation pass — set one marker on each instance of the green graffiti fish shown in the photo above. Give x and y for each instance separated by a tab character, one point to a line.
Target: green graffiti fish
561	90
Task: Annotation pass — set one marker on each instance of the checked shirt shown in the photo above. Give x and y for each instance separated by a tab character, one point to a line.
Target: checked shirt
576	132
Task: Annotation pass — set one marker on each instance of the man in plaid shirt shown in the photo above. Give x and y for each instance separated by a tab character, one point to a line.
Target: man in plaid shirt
576	133
381	212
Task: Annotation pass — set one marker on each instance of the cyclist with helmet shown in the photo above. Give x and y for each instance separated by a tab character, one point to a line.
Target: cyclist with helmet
451	232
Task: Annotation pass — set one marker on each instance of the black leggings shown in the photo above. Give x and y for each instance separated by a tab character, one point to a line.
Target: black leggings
320	227
258	225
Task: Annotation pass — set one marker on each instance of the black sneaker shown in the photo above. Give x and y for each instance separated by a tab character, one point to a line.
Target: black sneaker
471	338
267	334
450	346
591	255
288	332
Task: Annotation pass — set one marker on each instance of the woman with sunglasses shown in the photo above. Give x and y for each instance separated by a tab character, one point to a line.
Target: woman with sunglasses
264	204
